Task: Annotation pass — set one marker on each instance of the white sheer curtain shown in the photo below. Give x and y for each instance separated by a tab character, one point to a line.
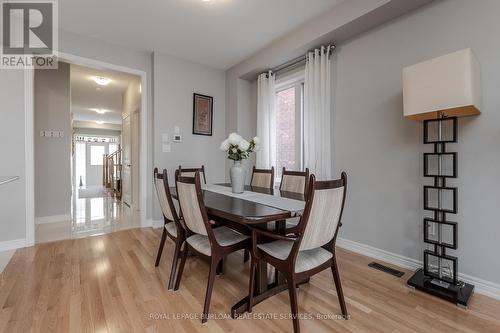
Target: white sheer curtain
317	113
266	119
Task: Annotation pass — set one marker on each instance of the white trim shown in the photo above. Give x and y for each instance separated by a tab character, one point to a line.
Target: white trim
379	254
52	219
29	137
29	156
12	244
290	79
482	286
143	152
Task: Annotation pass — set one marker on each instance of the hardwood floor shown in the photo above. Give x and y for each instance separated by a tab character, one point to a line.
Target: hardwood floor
109	283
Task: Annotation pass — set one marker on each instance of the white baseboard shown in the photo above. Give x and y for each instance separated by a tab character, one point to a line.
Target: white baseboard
155	224
12	244
481	286
52	219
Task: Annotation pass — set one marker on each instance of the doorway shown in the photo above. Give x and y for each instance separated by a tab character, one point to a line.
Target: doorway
100	117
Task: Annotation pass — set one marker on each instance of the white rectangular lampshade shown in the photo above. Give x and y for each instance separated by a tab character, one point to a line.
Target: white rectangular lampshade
449	84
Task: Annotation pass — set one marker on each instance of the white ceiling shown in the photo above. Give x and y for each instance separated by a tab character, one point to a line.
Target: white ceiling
219	33
86	95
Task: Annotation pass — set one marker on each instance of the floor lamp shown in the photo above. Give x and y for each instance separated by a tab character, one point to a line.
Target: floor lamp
437	92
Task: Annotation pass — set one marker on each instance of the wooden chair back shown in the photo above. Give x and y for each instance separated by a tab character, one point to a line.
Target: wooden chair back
262	178
189	172
320	221
294	181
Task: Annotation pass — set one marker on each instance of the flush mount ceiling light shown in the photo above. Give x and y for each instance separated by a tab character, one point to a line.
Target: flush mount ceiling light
100	122
101	80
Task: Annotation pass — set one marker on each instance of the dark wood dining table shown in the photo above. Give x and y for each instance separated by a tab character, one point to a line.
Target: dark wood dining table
246	214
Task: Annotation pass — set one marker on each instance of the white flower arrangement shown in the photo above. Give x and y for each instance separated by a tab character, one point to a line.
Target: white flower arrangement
238	148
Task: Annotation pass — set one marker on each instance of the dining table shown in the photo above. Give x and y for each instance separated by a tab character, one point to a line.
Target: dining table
255	207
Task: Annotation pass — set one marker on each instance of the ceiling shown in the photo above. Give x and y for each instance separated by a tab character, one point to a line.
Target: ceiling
87	96
218	33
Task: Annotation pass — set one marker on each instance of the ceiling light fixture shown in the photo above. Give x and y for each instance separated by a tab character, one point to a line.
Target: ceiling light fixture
101	80
100	122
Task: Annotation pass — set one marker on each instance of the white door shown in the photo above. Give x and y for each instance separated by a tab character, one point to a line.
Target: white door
94	165
127	162
135	158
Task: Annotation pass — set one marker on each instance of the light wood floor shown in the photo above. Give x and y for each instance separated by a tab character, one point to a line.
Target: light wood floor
109	284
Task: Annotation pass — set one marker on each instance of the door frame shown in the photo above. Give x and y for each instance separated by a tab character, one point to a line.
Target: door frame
29	76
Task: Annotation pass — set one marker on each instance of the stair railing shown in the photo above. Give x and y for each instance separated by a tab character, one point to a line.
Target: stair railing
112	172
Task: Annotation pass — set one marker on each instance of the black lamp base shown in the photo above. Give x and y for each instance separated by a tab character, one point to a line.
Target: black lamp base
460	295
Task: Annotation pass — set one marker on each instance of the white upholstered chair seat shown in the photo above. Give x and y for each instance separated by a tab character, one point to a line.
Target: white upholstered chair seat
306	260
224	236
171	229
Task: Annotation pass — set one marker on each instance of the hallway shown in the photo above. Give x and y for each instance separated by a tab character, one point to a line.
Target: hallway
94	212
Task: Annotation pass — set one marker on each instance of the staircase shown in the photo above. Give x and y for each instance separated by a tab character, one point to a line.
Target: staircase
112	172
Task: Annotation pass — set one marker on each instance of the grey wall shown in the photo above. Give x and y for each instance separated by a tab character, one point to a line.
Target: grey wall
12	195
247	120
52	105
381	150
175	81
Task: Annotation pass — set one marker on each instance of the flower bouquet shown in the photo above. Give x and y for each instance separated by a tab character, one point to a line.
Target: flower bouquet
238	149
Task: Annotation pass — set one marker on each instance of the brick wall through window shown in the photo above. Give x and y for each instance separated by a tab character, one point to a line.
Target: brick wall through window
285	130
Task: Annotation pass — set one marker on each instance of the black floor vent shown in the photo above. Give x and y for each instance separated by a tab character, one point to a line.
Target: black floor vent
386	269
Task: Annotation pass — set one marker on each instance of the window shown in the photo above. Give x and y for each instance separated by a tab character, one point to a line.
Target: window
289	133
96	154
112	148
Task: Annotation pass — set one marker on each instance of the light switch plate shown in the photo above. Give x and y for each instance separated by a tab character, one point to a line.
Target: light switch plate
432	229
177	129
165	137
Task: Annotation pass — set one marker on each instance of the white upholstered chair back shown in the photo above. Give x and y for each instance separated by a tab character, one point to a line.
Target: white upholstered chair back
323	219
293	183
260	179
163	200
192	173
190	208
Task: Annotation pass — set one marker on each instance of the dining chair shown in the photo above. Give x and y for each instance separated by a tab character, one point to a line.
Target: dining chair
309	250
203	237
189	172
172	224
262	178
293	182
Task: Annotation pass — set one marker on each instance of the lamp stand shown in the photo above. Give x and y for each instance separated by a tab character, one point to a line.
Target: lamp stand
439	274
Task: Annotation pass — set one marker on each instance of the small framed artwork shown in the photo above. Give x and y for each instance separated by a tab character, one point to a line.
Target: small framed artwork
202	114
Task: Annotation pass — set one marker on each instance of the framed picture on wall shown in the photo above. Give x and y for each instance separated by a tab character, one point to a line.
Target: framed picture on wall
202	114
